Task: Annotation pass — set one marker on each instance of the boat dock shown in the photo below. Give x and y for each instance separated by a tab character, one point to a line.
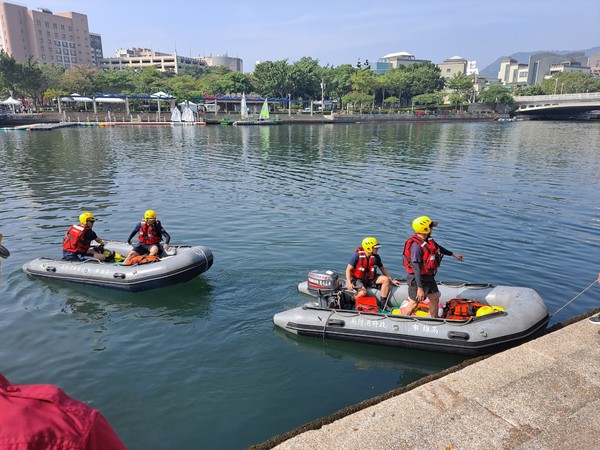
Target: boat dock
543	394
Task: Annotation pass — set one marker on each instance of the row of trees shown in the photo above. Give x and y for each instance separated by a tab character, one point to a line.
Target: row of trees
303	79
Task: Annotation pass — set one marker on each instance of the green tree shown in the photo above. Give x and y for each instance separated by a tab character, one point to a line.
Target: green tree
424	78
235	82
150	80
337	82
272	79
462	87
396	82
82	80
118	81
10	74
496	94
428	99
32	82
570	83
306	75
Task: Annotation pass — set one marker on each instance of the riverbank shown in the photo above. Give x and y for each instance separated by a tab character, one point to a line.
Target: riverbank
154	118
542	394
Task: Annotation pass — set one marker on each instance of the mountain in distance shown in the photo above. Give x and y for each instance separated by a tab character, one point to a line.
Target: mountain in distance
491	71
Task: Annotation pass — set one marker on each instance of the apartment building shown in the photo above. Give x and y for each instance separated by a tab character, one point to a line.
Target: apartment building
59	39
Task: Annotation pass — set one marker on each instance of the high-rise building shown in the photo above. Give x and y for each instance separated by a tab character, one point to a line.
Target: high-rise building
61	39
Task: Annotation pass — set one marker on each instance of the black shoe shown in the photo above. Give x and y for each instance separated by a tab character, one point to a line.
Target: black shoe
110	257
595	319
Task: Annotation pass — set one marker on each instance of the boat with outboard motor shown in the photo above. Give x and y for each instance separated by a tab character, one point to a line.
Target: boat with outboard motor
512	315
177	265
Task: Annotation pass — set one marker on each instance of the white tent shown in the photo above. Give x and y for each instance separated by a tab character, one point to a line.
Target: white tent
11	101
76	98
161	96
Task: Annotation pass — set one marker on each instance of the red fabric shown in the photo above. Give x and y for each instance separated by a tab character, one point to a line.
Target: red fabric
43	417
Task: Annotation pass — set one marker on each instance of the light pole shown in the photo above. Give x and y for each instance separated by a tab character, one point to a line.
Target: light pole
555	85
322	97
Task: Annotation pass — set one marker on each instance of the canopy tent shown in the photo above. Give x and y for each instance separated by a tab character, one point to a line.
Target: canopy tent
76	98
161	96
109	100
12	103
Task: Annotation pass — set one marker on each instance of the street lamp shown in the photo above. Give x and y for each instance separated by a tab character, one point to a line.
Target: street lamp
322	96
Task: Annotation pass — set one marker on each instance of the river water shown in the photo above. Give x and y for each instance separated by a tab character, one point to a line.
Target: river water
199	365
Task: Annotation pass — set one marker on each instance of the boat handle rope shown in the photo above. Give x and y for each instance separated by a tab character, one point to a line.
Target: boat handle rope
573	299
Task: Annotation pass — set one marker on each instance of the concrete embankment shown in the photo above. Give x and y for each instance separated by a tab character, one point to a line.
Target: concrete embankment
544	394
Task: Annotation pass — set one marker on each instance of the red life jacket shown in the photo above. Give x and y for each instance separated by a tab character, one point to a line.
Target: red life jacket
432	257
142	259
150	233
461	309
365	266
74	239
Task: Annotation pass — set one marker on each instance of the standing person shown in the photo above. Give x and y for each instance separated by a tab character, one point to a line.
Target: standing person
361	271
42	416
422	257
150	233
77	241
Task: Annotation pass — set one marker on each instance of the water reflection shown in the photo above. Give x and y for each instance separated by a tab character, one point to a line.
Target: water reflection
410	365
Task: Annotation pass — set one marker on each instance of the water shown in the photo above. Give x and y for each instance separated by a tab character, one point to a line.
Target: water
200	365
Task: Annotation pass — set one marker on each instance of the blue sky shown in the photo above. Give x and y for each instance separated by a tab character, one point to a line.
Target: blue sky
340	31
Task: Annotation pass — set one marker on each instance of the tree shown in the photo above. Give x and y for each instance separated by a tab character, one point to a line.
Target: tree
272	79
462	85
496	94
235	82
118	81
428	99
396	81
570	83
306	75
32	82
10	73
82	80
150	80
424	78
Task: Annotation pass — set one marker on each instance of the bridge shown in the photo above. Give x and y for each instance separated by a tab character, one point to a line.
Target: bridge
560	106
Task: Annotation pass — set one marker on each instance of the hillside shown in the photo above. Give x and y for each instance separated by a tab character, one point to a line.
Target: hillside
491	71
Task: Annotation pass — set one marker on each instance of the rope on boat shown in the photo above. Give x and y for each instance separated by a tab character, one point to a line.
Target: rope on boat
573	299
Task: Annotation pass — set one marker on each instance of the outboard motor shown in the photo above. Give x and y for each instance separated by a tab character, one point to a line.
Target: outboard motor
323	282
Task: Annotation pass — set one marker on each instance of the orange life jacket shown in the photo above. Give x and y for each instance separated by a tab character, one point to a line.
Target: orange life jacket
365	266
74	239
461	309
142	259
432	257
150	233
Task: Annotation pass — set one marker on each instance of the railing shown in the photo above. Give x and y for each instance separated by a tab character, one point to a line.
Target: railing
546	98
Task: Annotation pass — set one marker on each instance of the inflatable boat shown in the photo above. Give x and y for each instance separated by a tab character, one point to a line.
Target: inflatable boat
177	265
513	315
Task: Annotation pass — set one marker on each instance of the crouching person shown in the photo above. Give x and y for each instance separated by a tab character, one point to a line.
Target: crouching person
150	234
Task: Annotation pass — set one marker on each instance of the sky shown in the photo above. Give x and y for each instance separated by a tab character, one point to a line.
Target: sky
336	32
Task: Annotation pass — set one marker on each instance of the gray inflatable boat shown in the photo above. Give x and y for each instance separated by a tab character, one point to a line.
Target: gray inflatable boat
521	315
177	265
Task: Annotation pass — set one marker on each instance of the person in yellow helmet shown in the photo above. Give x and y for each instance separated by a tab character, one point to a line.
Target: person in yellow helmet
150	233
422	257
361	271
78	239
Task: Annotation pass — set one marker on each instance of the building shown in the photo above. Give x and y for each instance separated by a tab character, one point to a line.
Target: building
568	66
395	60
233	64
58	39
594	65
512	73
141	58
453	66
540	63
96	48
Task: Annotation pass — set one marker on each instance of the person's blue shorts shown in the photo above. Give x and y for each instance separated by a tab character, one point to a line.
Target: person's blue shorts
70	256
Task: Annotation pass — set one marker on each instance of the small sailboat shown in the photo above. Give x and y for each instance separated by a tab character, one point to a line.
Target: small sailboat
263	118
175	115
187	115
244	108
264	111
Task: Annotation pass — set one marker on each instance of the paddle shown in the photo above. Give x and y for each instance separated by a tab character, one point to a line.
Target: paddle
4	253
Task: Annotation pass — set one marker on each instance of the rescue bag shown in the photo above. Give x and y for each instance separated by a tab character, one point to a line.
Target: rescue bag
367	304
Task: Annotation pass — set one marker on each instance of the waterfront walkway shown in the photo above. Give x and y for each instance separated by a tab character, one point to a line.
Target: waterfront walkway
544	394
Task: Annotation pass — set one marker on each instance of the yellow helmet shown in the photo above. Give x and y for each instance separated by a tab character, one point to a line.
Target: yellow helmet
423	225
369	243
150	214
85	216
